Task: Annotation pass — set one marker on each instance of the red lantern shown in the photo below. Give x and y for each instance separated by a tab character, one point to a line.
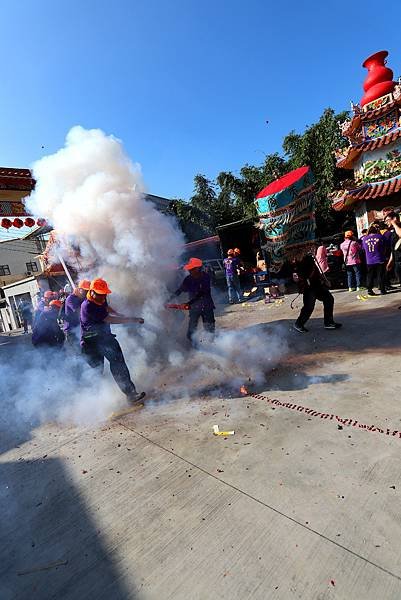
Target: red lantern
18	223
29	222
41	222
6	223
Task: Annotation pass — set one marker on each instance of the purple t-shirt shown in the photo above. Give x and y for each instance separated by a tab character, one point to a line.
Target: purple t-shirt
198	289
46	330
231	265
374	247
92	319
72	307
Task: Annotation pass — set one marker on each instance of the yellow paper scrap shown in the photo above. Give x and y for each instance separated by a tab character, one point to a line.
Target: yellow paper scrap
216	431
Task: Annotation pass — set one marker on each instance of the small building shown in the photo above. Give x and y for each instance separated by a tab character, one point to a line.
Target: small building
11	296
373	154
19	259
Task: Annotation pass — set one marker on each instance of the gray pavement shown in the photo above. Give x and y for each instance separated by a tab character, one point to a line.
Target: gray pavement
153	506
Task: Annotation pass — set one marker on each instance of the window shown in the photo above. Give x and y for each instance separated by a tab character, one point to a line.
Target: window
32	267
4	270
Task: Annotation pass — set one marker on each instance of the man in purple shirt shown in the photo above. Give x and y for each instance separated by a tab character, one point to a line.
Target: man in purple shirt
98	342
231	265
72	309
46	332
197	286
375	248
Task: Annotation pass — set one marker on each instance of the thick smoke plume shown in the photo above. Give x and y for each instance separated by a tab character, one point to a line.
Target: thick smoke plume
93	196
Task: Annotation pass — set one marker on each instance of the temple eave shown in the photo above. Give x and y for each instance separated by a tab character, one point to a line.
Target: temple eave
343	200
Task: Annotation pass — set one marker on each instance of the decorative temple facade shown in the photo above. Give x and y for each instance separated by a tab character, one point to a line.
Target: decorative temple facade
15	185
374	147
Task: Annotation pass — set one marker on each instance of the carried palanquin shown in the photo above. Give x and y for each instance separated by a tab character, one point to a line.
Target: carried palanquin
286	210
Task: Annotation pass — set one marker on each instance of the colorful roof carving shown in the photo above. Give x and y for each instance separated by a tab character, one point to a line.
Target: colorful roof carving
343	199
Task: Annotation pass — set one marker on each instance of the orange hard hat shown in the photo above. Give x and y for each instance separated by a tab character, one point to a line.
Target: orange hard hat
230	252
84	284
237	251
348	234
57	303
193	263
100	286
48	294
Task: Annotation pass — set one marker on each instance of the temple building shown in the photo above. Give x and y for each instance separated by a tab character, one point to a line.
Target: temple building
373	154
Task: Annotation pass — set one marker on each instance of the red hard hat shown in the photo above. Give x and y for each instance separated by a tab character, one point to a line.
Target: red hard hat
48	294
100	286
193	263
57	303
84	284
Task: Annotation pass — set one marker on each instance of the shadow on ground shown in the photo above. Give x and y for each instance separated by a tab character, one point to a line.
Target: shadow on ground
44	520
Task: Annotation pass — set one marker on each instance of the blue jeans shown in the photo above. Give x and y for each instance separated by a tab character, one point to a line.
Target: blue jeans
354	271
234	288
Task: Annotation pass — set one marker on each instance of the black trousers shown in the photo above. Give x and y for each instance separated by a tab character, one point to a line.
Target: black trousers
207	316
311	294
376	273
98	348
397	271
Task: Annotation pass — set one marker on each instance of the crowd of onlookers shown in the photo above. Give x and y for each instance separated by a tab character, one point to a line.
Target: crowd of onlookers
374	259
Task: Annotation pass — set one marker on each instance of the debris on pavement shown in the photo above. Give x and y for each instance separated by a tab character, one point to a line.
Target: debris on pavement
216	431
52	565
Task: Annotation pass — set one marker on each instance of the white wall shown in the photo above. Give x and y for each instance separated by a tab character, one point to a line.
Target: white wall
16	253
12	293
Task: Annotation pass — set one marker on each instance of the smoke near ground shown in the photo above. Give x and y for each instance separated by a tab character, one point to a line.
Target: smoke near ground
93	196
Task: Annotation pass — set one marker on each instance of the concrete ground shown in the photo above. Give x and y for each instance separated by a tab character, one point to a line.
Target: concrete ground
294	505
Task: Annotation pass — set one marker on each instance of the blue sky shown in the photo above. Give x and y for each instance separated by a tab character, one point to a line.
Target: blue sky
188	86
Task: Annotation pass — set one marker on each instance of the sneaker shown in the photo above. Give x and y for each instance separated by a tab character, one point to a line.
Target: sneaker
333	326
300	328
351	289
135	397
360	288
371	293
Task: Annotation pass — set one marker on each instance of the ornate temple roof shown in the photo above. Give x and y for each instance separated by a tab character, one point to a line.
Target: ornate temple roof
343	199
16	179
348	157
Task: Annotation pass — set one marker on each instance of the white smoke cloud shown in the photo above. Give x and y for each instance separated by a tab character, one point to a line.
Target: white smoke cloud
92	193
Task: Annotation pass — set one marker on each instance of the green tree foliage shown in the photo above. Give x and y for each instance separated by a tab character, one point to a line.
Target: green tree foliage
232	197
315	147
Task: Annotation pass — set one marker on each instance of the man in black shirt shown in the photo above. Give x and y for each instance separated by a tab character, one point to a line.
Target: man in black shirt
313	285
393	220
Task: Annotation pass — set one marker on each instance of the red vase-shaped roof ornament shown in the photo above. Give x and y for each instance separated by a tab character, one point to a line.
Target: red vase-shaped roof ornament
379	80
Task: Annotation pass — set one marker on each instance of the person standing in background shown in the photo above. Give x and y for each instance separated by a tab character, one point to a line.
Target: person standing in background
25	310
392	220
352	260
231	266
322	257
374	247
